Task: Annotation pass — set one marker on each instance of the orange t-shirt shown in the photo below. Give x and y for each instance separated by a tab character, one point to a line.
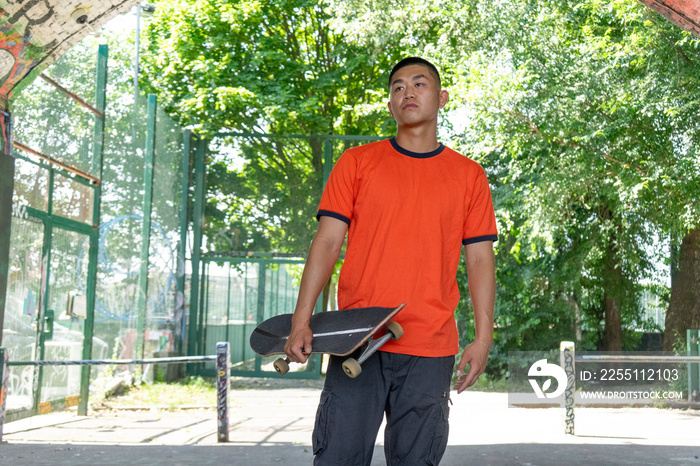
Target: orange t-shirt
408	215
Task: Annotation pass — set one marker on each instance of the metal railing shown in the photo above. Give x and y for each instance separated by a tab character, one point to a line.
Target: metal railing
223	369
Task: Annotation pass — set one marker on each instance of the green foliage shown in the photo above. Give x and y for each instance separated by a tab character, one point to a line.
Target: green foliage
592	132
584	116
274	68
249	66
589	132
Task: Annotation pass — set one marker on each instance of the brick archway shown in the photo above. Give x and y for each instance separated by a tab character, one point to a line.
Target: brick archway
683	13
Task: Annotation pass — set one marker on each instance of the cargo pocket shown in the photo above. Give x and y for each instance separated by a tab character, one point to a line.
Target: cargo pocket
319	440
442	431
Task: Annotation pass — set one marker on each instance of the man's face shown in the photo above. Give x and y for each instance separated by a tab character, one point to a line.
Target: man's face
415	96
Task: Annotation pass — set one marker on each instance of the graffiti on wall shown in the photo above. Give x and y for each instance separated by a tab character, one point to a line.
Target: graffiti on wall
34	33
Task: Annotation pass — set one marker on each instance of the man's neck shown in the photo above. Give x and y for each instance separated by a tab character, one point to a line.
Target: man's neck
420	140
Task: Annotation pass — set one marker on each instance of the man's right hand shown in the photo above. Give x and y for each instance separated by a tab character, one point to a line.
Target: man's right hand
298	346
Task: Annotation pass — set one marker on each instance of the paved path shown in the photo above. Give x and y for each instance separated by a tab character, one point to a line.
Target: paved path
271	425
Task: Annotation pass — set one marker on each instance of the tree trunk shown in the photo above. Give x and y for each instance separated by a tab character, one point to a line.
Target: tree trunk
684	309
612	333
614	285
316	144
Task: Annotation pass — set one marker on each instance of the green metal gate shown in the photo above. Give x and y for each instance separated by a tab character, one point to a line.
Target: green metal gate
52	252
49	312
237	294
232	292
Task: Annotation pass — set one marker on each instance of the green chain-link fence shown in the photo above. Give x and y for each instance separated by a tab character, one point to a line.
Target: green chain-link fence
84	189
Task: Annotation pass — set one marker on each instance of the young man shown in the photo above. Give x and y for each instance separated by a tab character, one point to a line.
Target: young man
407	204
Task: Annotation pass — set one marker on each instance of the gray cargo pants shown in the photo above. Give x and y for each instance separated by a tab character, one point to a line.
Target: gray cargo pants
413	392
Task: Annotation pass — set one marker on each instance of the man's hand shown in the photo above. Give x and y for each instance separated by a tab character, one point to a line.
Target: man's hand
298	346
475	355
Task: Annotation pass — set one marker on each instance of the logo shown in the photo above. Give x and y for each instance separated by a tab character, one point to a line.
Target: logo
543	369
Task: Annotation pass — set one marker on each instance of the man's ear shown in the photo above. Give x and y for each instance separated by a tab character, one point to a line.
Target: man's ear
388	104
444	97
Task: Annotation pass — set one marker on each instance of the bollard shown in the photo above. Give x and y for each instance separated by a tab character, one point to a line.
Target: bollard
566	354
4	376
223	371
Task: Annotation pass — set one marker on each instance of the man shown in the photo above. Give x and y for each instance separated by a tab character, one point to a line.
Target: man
408	204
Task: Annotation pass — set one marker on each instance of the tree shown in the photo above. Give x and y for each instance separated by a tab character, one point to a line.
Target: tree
249	68
581	114
614	124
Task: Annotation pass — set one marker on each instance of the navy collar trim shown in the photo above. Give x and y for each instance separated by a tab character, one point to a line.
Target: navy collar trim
415	155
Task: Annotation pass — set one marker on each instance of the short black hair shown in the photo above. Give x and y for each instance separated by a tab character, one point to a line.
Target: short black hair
414	61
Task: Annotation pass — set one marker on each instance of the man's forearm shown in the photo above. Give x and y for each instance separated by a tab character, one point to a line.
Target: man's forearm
482	288
324	253
483	299
318	269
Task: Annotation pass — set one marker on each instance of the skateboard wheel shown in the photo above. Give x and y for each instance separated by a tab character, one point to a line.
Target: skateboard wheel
395	329
352	368
281	366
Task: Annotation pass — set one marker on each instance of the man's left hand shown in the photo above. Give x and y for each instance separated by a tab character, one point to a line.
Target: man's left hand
475	355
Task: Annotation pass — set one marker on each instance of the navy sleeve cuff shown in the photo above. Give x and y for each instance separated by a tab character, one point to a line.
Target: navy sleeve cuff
328	213
479	239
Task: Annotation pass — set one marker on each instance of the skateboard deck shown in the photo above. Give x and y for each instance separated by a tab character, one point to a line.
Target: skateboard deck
336	332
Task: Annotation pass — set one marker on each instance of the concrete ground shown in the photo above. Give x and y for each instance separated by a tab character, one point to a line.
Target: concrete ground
271	424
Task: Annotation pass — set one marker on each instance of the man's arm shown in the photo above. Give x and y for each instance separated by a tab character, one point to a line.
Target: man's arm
323	255
482	288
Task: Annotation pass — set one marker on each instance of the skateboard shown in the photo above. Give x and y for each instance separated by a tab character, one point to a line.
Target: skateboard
339	333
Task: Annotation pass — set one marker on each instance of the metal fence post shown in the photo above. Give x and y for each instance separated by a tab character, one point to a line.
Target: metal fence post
98	140
182	245
7	186
148	170
327	160
197	226
567	353
693	345
262	278
223	371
